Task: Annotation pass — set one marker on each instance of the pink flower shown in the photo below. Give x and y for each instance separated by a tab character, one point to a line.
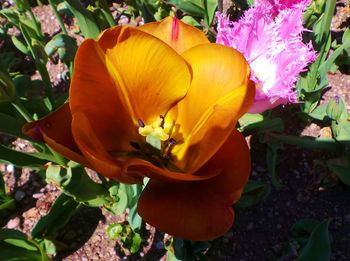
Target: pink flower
269	36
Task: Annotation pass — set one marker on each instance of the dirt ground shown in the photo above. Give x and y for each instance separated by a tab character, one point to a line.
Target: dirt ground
260	233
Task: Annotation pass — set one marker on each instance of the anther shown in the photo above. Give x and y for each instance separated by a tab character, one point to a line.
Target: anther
141	123
171	142
162	122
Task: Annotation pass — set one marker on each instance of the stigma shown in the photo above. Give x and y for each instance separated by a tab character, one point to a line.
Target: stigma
155	133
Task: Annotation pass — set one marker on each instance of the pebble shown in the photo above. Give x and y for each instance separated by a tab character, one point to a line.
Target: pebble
38	195
10	168
13	223
19	195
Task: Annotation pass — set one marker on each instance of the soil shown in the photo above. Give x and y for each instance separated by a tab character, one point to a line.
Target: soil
262	232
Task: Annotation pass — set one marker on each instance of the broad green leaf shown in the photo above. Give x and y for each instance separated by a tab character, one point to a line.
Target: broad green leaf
303	228
341	168
134	218
326	66
85	19
254	192
258	123
64	44
343	132
8	60
309	142
76	183
11	125
20	159
19	45
60	213
7	88
319	113
15	246
210	8
318	247
190	7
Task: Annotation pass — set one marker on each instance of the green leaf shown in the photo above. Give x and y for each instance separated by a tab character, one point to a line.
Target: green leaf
303	228
318	247
15	246
60	213
134	218
210	8
20	159
319	113
114	231
7	88
341	168
190	7
85	19
64	44
254	192
11	125
258	123
19	45
309	142
76	183
271	159
342	133
135	243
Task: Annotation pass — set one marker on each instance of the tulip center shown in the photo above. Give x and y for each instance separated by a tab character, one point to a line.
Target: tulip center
158	145
155	133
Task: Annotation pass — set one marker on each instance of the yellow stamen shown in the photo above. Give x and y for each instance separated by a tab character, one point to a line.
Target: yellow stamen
155	132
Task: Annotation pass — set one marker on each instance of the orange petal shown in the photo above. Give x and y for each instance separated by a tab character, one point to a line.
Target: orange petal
142	168
55	130
219	94
233	158
127	75
200	210
177	34
94	151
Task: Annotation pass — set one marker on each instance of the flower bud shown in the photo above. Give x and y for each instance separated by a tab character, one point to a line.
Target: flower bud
336	109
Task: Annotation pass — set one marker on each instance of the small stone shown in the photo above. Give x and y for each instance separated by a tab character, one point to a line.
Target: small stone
38	195
10	168
19	195
13	223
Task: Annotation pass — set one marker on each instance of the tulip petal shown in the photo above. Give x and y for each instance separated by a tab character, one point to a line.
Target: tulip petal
177	34
219	94
142	168
95	152
200	210
55	130
126	76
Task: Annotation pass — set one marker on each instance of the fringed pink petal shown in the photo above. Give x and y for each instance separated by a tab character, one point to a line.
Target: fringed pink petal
269	36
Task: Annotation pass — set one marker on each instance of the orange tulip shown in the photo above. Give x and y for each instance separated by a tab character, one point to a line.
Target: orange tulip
160	101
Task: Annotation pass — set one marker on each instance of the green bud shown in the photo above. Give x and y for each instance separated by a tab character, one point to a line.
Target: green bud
336	109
